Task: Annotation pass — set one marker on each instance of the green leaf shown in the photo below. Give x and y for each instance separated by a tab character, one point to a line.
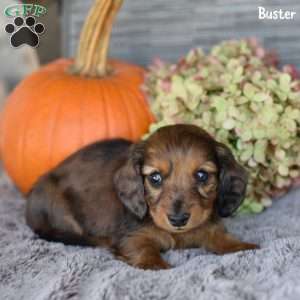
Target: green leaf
193	87
280	154
221	117
229	124
233	112
177	87
256	77
246	134
206	117
249	90
247	152
222	135
258	133
294	96
283	170
192	102
281	95
271	84
242	100
256	207
204	72
238	74
260	151
220	104
268	115
285	82
260	97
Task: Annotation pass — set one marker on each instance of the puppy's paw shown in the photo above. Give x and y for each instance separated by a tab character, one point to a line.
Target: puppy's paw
237	246
153	265
243	247
250	246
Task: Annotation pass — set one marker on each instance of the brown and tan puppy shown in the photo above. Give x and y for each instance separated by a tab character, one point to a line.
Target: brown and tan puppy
140	199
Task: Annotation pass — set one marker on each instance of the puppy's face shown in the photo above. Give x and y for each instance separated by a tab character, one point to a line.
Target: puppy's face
183	175
180	179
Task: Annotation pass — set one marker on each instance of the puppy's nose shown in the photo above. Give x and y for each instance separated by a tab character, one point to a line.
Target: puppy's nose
179	220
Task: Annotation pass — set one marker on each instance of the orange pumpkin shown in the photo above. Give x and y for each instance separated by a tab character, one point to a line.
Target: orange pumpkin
68	104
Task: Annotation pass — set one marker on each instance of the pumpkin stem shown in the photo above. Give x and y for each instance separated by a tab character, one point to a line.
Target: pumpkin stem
91	57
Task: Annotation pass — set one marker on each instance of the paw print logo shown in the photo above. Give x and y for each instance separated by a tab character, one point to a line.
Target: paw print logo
24	31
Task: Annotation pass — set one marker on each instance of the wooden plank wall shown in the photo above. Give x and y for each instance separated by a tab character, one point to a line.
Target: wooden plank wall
169	28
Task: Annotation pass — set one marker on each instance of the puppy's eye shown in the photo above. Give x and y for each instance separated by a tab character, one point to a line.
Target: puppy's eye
202	176
155	179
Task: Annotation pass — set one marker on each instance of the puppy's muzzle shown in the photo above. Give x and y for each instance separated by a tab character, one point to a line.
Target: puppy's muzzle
179	220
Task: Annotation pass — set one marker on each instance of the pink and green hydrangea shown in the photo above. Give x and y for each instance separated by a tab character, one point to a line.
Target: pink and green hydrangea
239	95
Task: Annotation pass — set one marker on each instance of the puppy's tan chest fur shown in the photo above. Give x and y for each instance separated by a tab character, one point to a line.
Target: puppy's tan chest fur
166	240
142	248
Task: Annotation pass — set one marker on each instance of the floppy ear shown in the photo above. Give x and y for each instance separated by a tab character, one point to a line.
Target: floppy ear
129	184
233	180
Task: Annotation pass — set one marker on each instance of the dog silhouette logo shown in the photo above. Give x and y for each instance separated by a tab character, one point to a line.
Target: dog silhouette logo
25	29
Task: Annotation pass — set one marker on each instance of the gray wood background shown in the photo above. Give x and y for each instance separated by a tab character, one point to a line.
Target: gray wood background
169	28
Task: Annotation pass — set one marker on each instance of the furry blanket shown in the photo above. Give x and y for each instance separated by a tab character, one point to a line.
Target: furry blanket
31	268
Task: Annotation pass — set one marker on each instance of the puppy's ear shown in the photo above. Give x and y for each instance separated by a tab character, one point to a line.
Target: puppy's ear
233	180
129	184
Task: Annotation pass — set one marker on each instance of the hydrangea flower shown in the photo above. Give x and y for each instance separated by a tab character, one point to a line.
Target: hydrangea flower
237	93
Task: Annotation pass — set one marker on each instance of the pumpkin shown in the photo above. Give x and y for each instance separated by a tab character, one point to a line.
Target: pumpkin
71	103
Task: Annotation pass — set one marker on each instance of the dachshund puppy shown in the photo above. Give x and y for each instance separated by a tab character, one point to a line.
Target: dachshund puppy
167	192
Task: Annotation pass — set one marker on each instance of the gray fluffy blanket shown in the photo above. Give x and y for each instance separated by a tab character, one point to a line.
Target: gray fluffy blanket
31	268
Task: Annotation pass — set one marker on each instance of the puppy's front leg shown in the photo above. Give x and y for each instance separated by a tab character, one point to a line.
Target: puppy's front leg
142	248
215	238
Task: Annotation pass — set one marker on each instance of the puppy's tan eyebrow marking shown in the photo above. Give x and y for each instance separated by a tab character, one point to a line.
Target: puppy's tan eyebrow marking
209	166
148	170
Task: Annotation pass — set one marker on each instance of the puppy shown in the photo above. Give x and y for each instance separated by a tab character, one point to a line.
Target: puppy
167	192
